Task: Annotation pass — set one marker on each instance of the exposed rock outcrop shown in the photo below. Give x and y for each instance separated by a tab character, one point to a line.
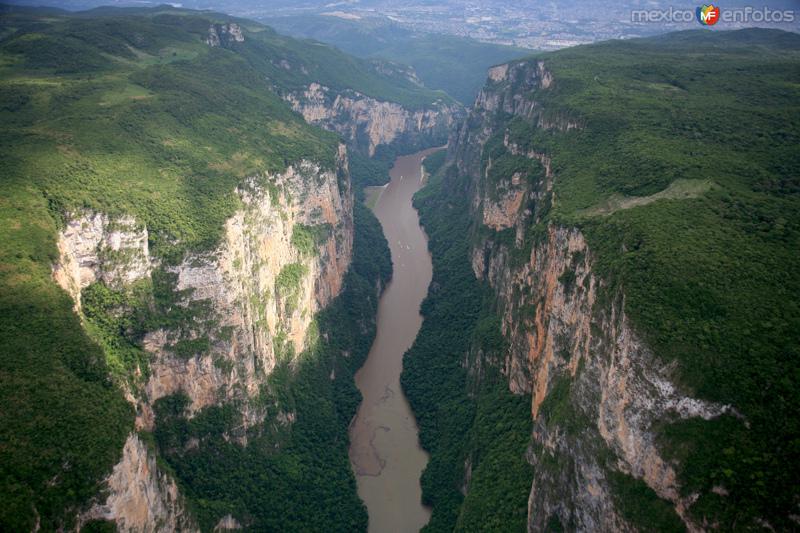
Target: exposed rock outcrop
93	247
224	34
369	123
227	523
140	497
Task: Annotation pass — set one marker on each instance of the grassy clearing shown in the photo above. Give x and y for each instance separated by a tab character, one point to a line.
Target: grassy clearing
677	190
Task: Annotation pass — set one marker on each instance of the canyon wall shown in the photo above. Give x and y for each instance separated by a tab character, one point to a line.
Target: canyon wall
140	496
367	123
597	390
262	290
94	248
248	305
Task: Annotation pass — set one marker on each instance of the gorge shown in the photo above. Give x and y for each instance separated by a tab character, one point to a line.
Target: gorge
241	288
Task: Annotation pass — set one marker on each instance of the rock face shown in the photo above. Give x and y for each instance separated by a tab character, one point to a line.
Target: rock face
242	282
369	123
282	258
570	348
227	523
224	34
93	248
140	497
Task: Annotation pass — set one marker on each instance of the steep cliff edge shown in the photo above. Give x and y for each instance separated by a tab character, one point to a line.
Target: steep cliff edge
555	326
596	389
283	257
610	262
368	123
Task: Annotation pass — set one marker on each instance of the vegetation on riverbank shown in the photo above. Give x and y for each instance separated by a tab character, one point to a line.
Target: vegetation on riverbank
463	418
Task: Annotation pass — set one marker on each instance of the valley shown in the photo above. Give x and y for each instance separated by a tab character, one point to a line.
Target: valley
252	282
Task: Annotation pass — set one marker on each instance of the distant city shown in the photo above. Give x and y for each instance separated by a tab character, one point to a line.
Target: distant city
536	25
547	25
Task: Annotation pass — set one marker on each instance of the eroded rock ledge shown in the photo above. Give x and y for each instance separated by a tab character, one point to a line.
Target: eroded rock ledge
141	497
365	121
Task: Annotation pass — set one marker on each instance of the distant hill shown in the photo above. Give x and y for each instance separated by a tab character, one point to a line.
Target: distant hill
456	65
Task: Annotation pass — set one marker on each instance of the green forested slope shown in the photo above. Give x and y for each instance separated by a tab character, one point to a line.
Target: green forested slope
132	112
339	71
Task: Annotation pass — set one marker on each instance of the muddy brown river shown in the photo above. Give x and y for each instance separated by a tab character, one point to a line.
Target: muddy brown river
384	445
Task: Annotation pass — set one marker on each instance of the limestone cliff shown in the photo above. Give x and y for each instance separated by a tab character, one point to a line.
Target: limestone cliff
92	248
262	290
571	344
368	123
561	336
249	303
140	496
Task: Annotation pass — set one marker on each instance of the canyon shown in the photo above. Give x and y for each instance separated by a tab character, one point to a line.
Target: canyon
215	293
218	315
247	309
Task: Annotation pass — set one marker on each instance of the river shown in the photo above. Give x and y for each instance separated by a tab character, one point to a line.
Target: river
384	445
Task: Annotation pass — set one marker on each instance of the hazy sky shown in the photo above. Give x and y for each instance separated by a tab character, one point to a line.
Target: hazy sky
322	4
502	21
